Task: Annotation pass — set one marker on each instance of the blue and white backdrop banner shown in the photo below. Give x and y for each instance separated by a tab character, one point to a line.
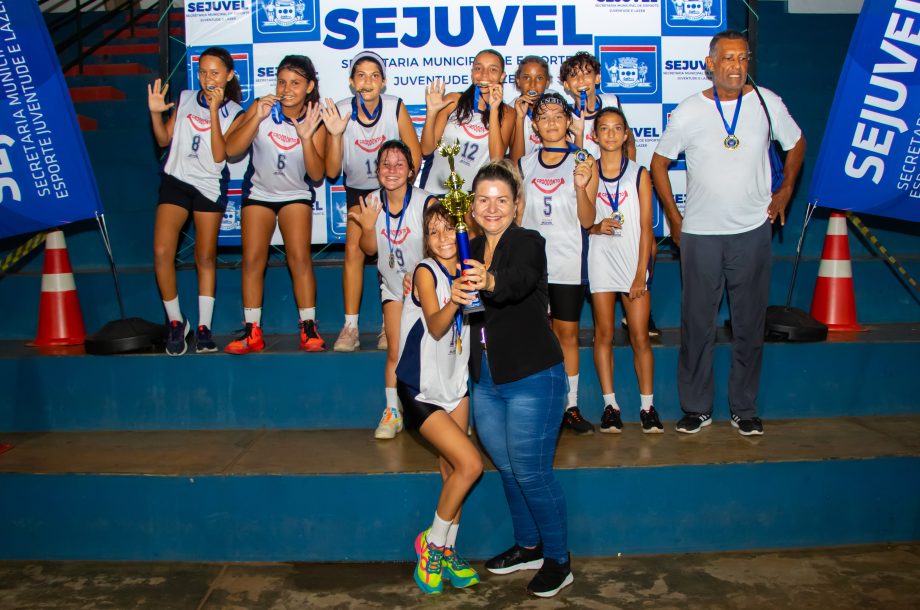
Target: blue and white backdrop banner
45	176
870	156
651	52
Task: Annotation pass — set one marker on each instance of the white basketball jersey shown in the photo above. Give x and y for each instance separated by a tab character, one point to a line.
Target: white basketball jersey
531	140
361	142
552	209
276	170
612	259
190	159
433	366
474	153
606	99
403	240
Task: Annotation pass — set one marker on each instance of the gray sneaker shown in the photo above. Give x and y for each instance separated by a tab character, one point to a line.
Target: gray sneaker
348	340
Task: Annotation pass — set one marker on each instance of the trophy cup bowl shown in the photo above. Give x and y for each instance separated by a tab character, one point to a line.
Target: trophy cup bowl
458	202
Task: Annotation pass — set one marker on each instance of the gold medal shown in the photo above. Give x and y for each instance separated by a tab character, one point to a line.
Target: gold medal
731	142
392	260
459	344
618	216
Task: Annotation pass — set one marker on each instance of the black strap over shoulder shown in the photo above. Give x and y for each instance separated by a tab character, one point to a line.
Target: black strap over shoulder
763	104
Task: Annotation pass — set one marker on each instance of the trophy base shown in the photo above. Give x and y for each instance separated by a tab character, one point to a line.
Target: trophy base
474	308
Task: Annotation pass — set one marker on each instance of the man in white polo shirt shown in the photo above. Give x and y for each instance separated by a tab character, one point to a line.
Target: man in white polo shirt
725	232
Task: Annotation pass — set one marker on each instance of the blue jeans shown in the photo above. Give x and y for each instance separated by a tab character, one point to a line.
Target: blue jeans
518	424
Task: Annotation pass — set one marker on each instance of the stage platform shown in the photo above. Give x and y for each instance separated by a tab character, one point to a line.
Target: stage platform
337	495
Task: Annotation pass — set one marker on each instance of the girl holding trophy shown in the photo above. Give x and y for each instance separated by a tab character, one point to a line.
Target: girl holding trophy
621	243
432	379
391	227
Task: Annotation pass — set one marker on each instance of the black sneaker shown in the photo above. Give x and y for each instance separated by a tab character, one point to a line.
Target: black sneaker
611	423
692	422
650	422
575	422
551	578
204	343
176	345
652	329
516	558
748	427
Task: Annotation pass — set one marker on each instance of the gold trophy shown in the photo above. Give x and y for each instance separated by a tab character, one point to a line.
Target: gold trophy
458	202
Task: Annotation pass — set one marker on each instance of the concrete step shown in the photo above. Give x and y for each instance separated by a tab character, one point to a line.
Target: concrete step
104	93
258	495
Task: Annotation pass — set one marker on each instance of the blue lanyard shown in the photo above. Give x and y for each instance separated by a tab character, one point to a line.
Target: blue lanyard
476	96
458	317
367	113
731	141
614	202
402	215
569	148
277	113
584	102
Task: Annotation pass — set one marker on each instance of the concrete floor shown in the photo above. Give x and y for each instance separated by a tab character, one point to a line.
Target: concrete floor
864	577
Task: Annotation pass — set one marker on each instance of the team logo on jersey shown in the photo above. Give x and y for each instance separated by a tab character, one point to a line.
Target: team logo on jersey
397	238
372	145
630	66
590	137
476	130
199	123
606	199
283	141
548	185
535	139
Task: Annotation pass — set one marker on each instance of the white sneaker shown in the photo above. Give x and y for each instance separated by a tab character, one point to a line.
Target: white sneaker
390	423
382	341
348	340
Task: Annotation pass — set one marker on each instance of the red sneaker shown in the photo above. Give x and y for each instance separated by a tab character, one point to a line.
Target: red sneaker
310	341
250	341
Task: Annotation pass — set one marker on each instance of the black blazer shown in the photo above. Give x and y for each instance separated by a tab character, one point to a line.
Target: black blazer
516	328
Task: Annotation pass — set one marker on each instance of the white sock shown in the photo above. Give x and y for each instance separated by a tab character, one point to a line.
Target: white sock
351	320
205	310
392	399
439	529
252	315
647	400
307	313
452	535
611	399
572	398
172	310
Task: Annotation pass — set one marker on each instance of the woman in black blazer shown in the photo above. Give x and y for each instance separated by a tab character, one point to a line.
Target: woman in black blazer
519	383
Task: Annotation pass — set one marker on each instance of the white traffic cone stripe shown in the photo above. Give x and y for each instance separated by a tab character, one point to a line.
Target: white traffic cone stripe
58	282
837	225
55	240
835	269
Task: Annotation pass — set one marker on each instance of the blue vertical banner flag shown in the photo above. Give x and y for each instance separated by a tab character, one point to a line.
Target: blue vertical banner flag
870	156
45	176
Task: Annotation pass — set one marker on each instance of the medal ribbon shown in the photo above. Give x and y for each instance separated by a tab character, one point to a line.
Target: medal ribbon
729	128
402	214
584	102
476	96
570	147
614	202
458	317
371	117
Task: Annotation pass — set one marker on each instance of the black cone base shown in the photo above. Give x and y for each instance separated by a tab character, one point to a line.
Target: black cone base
125	336
793	325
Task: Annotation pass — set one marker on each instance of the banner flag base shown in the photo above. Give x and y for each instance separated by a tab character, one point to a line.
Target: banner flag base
125	336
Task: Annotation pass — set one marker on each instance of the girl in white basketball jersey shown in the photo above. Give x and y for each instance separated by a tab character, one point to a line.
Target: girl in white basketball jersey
531	79
193	184
285	139
476	118
559	195
621	244
391	227
432	378
358	126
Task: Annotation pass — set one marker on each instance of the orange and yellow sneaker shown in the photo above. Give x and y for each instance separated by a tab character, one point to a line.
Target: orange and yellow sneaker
428	568
250	341
456	570
310	341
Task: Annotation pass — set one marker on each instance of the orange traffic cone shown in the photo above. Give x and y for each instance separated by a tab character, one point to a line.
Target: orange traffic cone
834	302
60	321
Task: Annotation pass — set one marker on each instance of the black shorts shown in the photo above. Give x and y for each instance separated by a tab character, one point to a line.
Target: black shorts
184	195
353	196
274	205
565	301
415	412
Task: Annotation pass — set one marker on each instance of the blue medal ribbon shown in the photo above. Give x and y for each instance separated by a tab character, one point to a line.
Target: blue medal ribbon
570	147
370	116
402	215
731	141
458	317
584	102
476	96
614	202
